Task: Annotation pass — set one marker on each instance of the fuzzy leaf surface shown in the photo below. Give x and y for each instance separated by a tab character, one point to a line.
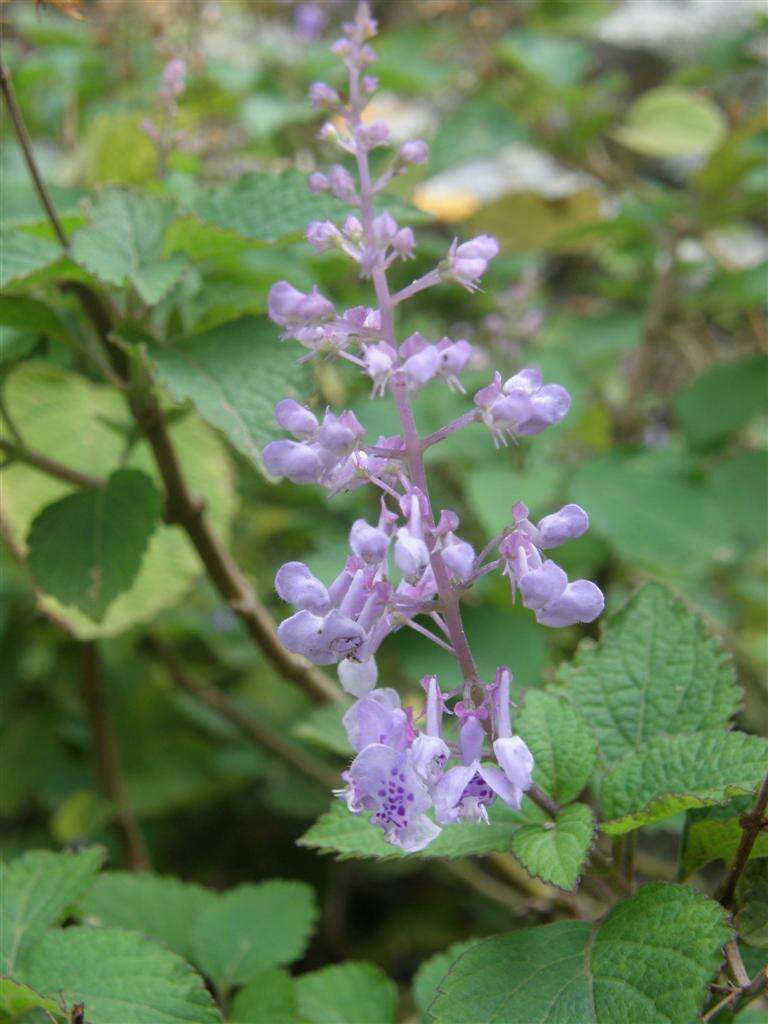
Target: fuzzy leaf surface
672	773
348	993
234	374
751	919
647	962
87	548
38	889
269	998
563	745
654	670
251	928
432	971
162	908
556	851
120	976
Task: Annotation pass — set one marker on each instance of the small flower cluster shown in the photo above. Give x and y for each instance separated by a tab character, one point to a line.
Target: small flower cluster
410	569
401	773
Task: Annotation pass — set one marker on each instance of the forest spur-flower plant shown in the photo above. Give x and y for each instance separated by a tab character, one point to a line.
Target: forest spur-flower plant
411	772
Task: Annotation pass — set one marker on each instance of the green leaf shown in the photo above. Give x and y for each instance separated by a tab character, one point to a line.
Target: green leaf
432	971
24	313
86	425
723	399
269	998
563	745
555	851
161	908
348	993
669	774
648	961
38	890
557	61
251	928
88	547
234	374
266	207
323	728
16	1000
351	835
24	254
654	670
714	833
478	128
672	122
124	244
751	918
120	976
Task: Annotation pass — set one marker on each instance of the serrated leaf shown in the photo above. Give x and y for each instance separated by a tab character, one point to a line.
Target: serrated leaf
124	244
269	998
714	833
563	745
672	773
39	888
266	207
251	928
722	400
24	254
349	993
162	908
86	426
432	971
648	961
87	548
119	976
351	835
16	1000
672	122
234	374
654	670
555	851
751	919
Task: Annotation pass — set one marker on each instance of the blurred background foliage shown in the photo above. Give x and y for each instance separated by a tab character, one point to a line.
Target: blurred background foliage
618	150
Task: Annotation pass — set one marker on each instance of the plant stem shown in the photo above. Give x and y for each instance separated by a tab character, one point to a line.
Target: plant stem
248	724
107	758
50	466
449	428
751	824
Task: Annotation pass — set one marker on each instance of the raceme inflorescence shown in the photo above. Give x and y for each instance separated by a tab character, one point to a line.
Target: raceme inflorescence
409	775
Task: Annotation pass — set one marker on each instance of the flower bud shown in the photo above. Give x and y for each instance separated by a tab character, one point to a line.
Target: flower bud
358	677
459	557
581	601
322	235
295	584
404	243
287	305
411	554
414	152
323	96
295	418
469	261
368	542
341	183
317	183
421	367
567	524
298	462
370	136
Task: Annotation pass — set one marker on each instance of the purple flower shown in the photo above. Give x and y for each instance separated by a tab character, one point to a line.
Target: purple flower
383	780
323	235
323	639
378	718
469	261
567	524
298	462
358	677
546	404
454	358
341	183
459	557
295	584
414	152
289	307
175	76
297	419
368	542
323	97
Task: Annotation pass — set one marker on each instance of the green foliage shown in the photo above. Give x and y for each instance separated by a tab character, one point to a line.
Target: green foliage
24	254
649	959
251	928
723	400
714	833
555	851
162	908
655	670
432	971
87	548
672	122
117	152
672	773
124	244
349	993
269	998
16	1000
563	745
121	976
38	891
751	918
232	375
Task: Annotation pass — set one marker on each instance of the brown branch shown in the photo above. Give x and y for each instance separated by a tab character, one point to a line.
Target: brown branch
22	135
248	724
182	506
751	824
107	759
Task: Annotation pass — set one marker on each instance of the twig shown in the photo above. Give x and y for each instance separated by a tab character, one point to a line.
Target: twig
751	824
182	506
107	760
250	726
50	466
493	889
736	964
22	135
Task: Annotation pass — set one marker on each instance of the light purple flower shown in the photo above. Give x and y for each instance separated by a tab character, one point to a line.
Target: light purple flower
325	640
378	718
459	557
414	152
288	306
569	523
368	542
322	96
296	418
298	462
469	261
295	584
358	677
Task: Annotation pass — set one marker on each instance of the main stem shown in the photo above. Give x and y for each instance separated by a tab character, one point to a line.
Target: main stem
449	598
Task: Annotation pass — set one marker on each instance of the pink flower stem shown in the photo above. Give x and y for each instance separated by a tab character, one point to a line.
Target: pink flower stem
430	636
433	277
449	596
449	428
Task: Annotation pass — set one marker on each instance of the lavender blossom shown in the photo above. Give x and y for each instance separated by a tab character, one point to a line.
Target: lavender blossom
412	772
